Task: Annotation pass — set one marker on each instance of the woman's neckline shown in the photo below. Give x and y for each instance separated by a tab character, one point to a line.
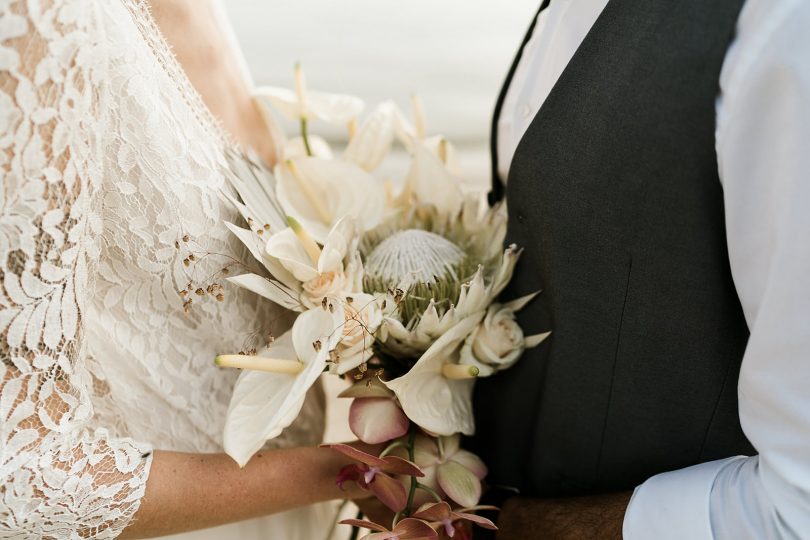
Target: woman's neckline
166	57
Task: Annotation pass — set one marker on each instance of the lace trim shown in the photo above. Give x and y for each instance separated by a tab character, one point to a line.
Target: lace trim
164	54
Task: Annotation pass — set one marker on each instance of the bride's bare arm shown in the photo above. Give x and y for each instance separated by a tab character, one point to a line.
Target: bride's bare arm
193	491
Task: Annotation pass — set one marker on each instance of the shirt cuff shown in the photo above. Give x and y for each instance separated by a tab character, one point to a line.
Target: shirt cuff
674	505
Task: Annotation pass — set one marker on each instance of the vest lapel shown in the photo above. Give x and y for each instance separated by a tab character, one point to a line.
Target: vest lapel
497	184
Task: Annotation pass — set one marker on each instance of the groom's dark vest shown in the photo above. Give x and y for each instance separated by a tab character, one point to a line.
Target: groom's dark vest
614	195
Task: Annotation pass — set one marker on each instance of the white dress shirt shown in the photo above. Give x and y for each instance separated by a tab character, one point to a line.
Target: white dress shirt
763	152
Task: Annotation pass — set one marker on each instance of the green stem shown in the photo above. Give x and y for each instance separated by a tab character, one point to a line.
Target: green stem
411	457
391	447
305	136
431	491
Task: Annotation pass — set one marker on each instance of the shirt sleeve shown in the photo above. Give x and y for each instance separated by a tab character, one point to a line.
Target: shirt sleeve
58	478
763	144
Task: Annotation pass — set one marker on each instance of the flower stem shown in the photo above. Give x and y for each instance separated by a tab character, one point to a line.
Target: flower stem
391	447
411	457
431	491
305	136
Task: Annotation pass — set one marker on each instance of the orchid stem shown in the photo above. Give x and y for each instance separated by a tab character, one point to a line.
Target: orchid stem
431	491
411	457
391	447
305	136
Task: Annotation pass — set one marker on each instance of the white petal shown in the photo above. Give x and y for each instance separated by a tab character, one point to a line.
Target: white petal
437	404
327	191
295	148
519	303
431	182
474	296
272	290
372	142
336	109
283	100
256	186
504	274
289	251
317	324
263	404
256	245
337	245
535	340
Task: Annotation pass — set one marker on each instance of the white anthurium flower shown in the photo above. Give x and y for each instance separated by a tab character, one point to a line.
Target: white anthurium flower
304	104
264	403
436	393
430	182
331	271
371	143
498	342
435	164
318	192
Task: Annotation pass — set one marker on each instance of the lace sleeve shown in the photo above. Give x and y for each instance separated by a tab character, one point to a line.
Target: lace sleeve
57	478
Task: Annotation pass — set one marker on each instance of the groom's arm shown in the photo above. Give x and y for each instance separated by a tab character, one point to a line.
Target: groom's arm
763	143
578	518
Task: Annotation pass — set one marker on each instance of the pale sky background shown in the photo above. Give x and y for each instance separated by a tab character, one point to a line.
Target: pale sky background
453	53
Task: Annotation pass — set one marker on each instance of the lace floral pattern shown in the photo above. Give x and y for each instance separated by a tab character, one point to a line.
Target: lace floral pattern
110	207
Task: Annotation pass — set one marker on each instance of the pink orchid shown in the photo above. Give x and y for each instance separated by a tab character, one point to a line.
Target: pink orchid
407	529
373	474
450	471
442	515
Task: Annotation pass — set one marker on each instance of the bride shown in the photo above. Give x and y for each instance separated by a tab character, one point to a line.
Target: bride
115	120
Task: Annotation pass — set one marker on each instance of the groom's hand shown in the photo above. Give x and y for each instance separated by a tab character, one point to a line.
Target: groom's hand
576	518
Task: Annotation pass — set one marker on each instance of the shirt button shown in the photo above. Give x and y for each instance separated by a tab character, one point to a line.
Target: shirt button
525	110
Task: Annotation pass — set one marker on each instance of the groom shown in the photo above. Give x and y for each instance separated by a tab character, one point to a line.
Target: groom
655	158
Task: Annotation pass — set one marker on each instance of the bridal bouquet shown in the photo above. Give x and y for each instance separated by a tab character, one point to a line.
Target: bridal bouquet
395	286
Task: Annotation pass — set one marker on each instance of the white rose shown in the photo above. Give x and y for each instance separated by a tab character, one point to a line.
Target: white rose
328	284
496	343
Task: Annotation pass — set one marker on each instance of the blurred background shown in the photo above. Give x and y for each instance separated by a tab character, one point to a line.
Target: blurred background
453	53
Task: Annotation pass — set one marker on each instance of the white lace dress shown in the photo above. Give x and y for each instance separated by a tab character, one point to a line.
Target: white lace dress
110	206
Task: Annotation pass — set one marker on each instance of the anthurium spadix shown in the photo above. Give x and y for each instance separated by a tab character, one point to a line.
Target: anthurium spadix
266	402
